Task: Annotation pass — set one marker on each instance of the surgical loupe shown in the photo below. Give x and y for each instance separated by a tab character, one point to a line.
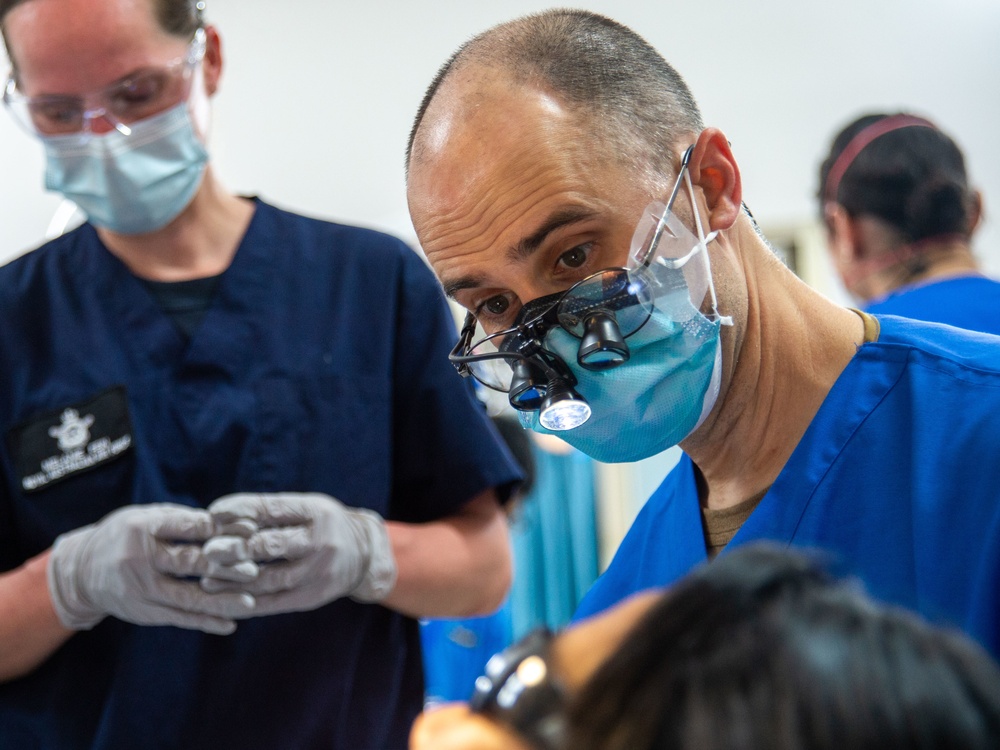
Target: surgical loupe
602	311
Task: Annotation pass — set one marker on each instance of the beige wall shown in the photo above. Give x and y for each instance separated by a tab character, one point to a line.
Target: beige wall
318	97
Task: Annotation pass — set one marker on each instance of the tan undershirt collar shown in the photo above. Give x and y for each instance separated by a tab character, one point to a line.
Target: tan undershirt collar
720	526
872	327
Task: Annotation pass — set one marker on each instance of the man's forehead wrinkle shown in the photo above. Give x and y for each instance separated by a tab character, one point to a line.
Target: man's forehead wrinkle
560	218
461	224
464	235
474	216
482	189
483	227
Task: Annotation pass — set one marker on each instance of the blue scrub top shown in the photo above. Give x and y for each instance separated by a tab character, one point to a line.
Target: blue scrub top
970	302
321	365
896	481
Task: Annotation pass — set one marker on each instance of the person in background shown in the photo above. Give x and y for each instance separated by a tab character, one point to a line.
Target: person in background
761	649
568	194
236	464
900	216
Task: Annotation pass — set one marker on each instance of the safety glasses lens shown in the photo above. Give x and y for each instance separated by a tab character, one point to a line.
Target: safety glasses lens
609	294
494	371
143	94
669	263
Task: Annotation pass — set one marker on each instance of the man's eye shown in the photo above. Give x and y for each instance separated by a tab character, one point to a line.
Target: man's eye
496	305
574	258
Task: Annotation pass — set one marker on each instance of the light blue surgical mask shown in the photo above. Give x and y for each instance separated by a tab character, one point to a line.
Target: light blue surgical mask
133	183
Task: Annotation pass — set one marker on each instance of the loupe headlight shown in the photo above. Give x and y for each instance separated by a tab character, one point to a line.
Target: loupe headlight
562	408
542	382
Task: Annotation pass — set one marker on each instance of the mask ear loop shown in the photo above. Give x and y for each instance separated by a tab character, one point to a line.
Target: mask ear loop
703	241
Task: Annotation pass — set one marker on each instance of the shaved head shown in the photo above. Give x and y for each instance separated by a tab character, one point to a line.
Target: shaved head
623	92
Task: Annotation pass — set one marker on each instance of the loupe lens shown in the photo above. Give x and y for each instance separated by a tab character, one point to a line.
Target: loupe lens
528	386
608	292
602	346
494	370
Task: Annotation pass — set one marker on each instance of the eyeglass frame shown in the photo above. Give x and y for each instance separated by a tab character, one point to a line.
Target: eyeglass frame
11	96
537	353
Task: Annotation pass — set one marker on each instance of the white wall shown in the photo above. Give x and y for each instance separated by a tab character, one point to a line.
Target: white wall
318	96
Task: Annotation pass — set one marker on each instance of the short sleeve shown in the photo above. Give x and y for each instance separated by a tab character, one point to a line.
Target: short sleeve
446	448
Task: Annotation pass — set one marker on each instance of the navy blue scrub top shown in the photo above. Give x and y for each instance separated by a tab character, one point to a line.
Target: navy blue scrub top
321	365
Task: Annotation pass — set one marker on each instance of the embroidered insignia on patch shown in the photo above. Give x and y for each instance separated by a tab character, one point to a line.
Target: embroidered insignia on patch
70	440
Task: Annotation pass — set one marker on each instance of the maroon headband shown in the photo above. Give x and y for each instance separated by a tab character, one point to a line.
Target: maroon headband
861	139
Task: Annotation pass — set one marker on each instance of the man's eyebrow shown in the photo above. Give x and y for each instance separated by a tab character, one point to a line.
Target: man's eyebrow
527	246
466	282
557	220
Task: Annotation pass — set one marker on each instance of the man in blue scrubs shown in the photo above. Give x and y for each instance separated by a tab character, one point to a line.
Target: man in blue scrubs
186	344
629	326
900	215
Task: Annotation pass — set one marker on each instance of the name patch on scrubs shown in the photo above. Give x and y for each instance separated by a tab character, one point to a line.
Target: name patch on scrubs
67	441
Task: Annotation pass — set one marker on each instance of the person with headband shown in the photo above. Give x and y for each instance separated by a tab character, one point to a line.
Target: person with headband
236	465
761	650
568	194
900	216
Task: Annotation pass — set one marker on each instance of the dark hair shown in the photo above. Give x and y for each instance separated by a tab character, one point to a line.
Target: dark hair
912	177
178	17
761	649
605	71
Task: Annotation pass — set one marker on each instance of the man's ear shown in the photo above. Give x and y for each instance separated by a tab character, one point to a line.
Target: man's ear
975	211
211	64
713	168
841	234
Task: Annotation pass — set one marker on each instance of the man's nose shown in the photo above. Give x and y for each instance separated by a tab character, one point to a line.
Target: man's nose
531	289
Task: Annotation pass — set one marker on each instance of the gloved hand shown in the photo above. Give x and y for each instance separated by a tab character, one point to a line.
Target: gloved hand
132	564
311	549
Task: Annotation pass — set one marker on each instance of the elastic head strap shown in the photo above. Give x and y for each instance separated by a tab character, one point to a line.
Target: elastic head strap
858	143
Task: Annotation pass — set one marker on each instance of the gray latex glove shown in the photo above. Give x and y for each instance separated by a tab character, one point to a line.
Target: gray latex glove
311	549
133	564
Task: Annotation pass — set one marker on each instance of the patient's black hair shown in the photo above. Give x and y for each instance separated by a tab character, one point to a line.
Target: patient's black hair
762	649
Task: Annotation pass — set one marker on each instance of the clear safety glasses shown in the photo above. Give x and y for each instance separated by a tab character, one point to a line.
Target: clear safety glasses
142	94
601	311
667	258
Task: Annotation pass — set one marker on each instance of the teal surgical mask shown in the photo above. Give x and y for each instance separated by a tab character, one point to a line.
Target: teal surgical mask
133	183
655	399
